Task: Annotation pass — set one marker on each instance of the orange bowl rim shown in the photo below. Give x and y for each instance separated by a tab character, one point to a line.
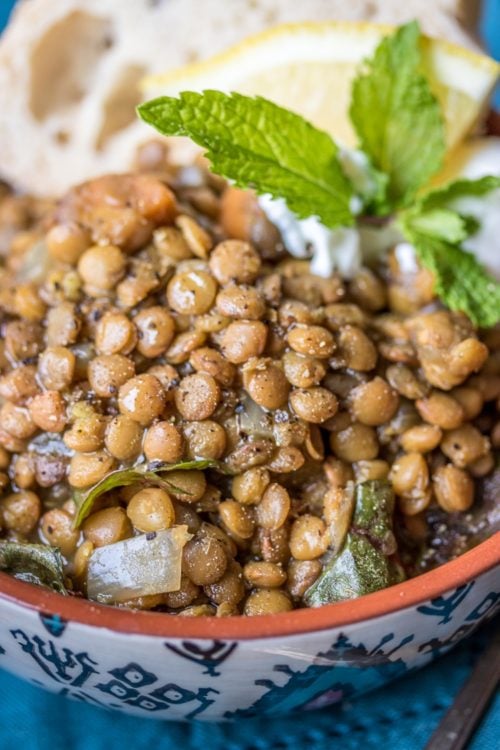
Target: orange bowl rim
427	586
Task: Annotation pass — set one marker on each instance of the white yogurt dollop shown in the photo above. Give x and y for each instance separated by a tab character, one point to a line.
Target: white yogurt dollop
345	249
482	157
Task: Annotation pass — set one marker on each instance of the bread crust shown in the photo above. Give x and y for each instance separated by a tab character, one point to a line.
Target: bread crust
69	70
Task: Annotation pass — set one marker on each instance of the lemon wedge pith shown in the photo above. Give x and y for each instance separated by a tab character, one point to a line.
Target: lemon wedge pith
309	68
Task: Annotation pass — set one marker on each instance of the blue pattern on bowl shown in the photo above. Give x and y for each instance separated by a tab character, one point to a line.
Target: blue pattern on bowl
213	679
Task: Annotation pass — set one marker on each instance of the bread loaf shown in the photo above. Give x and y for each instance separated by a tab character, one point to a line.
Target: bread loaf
69	70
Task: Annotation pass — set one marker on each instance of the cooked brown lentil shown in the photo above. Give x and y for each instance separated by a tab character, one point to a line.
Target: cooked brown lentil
267	602
157	336
151	509
206	439
86	433
197	396
107	526
142	398
123	438
163	442
56	525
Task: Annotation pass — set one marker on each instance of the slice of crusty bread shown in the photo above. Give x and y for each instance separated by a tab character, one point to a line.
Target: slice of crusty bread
69	70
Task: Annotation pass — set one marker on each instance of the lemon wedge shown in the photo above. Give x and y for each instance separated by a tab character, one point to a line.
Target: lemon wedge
309	68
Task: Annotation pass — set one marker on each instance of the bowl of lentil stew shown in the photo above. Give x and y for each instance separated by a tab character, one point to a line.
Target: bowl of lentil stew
173	381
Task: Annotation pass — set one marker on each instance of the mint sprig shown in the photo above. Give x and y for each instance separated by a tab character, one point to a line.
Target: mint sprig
259	145
460	281
445	195
398	120
437	230
396	116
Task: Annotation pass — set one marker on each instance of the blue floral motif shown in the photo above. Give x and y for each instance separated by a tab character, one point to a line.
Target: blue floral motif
444	606
61	664
127	684
488	606
134	675
53	624
439	646
344	670
210	656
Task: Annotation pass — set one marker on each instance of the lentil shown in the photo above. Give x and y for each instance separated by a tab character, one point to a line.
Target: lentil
441	410
107	373
155	330
86	433
145	344
230	588
57	528
141	398
123	438
206	439
454	488
86	469
192	292
264	575
107	526
357	442
115	334
308	538
48	411
314	341
242	340
101	268
374	403
151	509
234	260
465	445
20	511
314	404
301	575
421	439
267	385
197	396
267	602
241	302
274	507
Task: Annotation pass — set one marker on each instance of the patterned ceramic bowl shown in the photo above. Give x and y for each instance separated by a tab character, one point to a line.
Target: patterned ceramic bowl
171	667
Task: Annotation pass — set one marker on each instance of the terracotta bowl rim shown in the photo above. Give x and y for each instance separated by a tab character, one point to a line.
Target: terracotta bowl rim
430	585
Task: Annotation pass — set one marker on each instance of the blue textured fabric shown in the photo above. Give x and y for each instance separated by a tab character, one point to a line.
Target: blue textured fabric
5	11
490	31
402	717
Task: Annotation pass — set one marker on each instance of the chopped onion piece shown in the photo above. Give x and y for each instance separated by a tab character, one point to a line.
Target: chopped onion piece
35	264
142	565
253	420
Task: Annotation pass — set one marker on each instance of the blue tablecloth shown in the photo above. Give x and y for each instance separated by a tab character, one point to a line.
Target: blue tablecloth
401	718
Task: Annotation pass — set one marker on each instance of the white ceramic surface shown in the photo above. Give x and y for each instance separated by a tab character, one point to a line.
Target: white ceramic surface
229	677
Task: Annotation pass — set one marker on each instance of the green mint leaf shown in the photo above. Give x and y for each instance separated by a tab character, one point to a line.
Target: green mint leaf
373	514
461	281
439	223
396	116
142	474
33	563
443	197
436	228
365	562
261	146
357	570
369	183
